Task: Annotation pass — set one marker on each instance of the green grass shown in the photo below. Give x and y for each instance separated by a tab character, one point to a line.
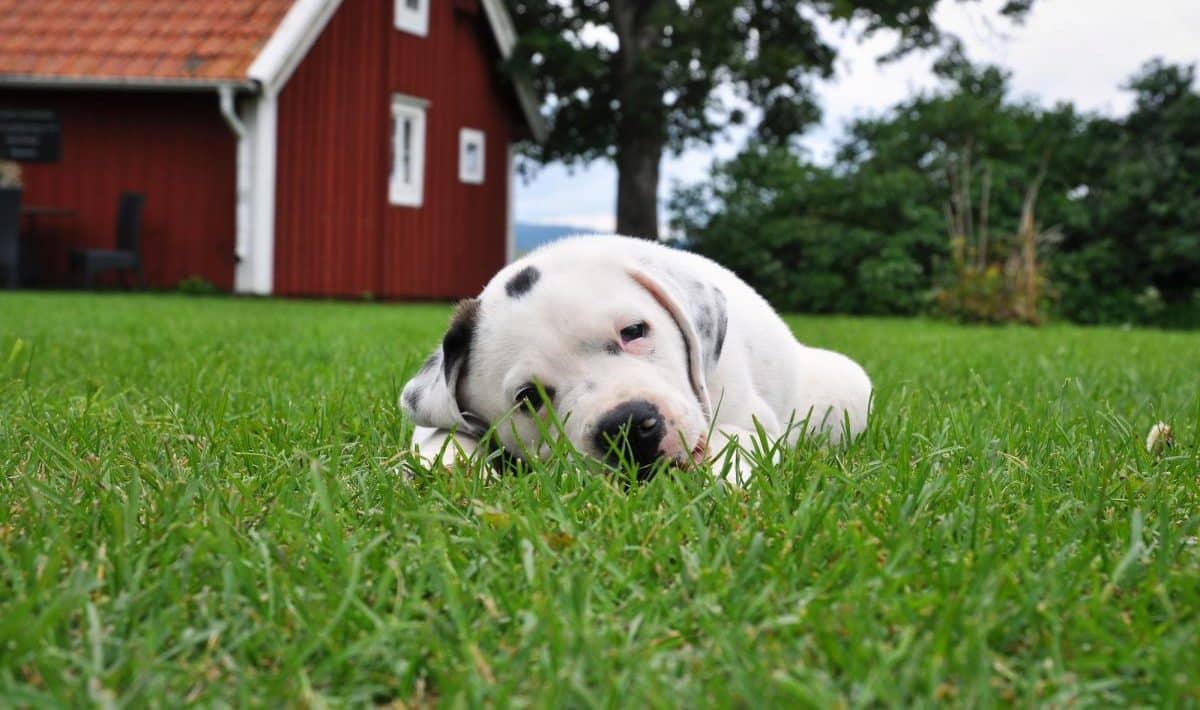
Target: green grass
199	500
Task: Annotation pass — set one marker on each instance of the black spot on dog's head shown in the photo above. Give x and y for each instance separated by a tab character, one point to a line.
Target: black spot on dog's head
612	348
520	284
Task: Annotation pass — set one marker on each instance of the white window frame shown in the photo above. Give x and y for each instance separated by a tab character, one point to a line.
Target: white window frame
408	110
468	137
413	21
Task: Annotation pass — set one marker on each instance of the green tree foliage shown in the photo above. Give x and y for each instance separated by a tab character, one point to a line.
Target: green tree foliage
1132	249
682	70
811	239
1118	209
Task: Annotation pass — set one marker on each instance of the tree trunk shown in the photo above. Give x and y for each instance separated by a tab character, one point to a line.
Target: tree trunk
641	118
638	159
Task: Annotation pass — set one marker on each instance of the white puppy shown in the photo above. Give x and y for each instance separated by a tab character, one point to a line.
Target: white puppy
644	353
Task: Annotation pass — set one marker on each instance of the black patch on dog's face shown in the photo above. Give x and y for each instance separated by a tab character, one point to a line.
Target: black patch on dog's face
612	348
520	284
412	398
456	345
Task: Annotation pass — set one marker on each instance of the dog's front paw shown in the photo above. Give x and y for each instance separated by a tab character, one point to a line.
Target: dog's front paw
441	447
733	454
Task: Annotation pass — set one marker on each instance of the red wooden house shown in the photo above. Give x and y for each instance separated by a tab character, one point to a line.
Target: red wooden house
295	147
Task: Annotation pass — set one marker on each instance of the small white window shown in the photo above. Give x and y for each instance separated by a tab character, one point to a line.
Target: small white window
405	187
413	16
470	156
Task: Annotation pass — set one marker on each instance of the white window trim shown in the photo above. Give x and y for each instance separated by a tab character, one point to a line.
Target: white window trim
412	21
467	137
400	193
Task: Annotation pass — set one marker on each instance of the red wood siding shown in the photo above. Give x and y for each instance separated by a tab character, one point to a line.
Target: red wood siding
335	232
175	148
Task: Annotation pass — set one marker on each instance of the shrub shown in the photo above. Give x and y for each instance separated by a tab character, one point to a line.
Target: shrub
891	282
196	286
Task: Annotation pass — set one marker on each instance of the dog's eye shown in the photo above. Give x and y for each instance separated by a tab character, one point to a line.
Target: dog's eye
530	396
630	333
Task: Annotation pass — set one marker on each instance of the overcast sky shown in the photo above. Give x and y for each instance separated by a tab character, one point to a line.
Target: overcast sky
1066	50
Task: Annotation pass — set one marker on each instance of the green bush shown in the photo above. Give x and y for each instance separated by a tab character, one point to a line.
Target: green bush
891	282
1094	286
196	286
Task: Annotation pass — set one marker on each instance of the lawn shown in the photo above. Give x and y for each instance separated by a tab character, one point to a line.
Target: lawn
200	501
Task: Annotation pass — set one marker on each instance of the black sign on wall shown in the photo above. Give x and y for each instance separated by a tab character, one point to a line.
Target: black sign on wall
30	136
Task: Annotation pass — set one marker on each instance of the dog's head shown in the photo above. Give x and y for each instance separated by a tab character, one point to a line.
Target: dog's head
620	351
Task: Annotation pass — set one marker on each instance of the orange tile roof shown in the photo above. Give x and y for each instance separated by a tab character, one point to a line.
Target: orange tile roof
135	39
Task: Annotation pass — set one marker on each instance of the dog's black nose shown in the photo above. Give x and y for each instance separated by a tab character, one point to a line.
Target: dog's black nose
631	430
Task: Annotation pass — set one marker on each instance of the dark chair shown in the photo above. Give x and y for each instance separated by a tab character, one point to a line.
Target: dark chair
126	256
10	237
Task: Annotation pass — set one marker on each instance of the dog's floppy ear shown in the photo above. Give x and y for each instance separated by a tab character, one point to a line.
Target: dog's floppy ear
430	398
699	310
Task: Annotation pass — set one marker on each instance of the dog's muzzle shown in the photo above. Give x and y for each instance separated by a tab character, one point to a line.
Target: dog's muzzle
631	432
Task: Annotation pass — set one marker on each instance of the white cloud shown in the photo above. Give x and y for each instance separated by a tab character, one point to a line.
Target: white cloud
1066	50
1083	52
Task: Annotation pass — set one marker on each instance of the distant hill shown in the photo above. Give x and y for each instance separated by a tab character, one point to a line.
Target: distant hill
532	236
